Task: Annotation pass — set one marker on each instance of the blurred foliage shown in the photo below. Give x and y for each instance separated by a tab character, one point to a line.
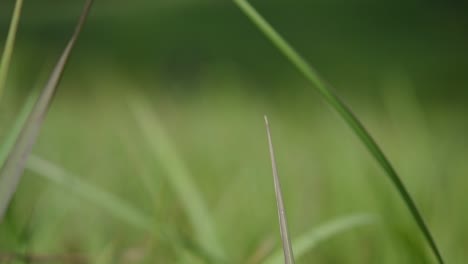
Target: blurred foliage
210	77
348	41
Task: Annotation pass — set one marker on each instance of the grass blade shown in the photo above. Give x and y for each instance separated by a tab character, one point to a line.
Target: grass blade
9	142
287	248
180	179
10	43
312	76
13	168
309	240
111	204
115	206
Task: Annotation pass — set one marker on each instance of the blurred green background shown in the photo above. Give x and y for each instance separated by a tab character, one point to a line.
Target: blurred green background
207	76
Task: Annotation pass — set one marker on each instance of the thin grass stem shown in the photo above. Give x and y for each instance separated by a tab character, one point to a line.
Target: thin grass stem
9	45
287	247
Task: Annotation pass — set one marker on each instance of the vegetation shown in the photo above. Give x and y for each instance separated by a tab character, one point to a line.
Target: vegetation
122	173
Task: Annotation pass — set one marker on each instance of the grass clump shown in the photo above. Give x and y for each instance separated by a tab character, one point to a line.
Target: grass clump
353	122
245	193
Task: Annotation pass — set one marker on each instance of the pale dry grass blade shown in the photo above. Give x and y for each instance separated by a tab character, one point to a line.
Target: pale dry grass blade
13	168
287	248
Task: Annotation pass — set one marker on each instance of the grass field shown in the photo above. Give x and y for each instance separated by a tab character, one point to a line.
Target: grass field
171	164
219	139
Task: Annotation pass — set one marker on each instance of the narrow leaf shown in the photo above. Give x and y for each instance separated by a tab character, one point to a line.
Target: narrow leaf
312	238
11	138
287	248
107	201
180	180
10	43
326	91
11	172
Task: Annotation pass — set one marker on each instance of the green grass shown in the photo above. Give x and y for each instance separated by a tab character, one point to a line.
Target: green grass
312	238
353	122
180	179
176	179
236	184
66	181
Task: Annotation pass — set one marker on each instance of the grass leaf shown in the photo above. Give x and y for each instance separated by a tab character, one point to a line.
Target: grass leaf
287	248
10	43
10	140
13	168
312	76
180	179
312	238
115	206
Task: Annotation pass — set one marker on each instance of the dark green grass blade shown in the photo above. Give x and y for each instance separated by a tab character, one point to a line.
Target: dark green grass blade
13	168
312	76
287	248
10	43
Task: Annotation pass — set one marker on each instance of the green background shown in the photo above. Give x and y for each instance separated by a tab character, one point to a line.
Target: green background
210	76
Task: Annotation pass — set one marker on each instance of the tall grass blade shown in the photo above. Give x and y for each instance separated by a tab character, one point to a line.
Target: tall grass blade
10	43
115	206
287	248
180	179
312	76
312	238
12	169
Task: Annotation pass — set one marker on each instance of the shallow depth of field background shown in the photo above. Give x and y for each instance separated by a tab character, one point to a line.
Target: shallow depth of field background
209	76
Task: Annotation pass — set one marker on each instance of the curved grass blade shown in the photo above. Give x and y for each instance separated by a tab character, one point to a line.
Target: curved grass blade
113	205
180	179
13	168
287	248
10	43
325	90
312	238
117	207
